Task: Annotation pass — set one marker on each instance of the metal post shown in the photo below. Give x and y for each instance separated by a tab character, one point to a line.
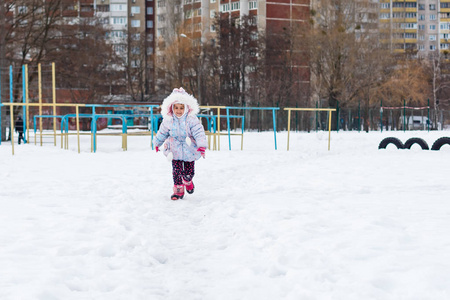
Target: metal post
228	125
78	127
289	127
337	116
274	127
381	115
54	101
359	116
404	115
24	100
428	123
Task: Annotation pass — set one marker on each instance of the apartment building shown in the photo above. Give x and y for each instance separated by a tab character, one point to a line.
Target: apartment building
132	34
198	17
421	26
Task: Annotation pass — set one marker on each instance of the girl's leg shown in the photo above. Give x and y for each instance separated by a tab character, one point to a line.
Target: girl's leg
188	173
177	172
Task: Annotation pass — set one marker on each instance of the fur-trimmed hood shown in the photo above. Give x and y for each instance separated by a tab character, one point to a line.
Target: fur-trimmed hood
179	96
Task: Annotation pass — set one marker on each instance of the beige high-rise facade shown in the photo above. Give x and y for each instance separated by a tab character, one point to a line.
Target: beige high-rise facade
415	26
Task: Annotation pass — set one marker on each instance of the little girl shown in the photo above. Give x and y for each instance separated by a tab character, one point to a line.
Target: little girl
184	138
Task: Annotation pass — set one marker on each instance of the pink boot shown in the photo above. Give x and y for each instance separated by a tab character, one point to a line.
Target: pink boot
189	186
178	192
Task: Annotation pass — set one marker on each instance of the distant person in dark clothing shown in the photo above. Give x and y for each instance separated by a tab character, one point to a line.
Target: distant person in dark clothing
19	127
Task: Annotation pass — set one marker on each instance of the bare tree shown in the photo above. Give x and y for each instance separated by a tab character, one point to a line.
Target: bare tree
436	67
347	60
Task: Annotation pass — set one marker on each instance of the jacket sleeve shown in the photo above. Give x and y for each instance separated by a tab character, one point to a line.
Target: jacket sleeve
198	133
162	134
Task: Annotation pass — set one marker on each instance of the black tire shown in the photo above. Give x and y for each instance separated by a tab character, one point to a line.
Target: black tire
391	140
440	142
418	141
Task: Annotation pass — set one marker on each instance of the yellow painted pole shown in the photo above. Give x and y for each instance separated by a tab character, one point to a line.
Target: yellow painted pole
40	101
11	114
54	101
329	129
78	130
289	127
27	118
218	128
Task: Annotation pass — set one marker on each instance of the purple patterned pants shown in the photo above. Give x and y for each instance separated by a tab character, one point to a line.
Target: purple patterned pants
182	170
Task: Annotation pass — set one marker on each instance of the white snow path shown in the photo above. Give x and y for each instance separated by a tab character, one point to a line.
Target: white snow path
352	223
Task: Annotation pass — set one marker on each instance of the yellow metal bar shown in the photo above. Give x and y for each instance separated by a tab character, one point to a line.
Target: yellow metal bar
40	102
218	129
329	129
311	109
289	128
54	100
78	129
329	110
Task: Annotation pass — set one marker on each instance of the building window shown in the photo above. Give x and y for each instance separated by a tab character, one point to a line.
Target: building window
432	17
135	10
432	47
225	7
422	47
149	50
135	23
136	50
197	12
385	5
116	34
149	24
188	14
117	21
187	1
421	6
119	48
235	5
136	36
213	28
384	16
422	27
118	7
253	5
135	63
161	3
212	13
213	1
432	6
198	27
422	37
432	37
149	10
432	27
421	17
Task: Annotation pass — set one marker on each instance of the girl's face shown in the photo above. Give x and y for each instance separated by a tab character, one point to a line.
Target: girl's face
178	109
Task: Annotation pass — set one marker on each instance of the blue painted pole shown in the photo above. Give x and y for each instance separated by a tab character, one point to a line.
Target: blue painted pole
228	125
151	124
274	127
11	85
1	105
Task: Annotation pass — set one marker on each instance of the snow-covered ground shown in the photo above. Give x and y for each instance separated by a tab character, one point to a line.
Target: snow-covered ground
351	223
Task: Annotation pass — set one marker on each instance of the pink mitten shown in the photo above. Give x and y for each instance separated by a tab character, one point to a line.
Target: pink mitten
202	151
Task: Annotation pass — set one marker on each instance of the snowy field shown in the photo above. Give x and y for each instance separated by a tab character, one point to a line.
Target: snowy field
353	223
